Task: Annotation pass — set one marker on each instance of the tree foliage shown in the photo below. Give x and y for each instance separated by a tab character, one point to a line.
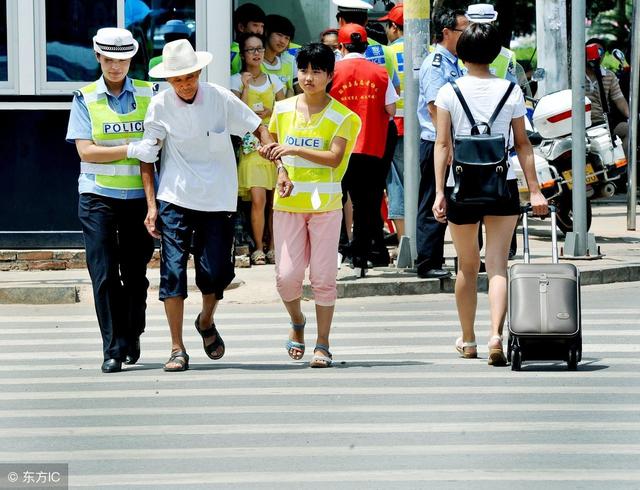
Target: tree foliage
518	17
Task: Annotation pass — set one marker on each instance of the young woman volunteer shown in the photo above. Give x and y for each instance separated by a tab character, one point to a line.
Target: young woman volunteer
477	47
256	176
315	135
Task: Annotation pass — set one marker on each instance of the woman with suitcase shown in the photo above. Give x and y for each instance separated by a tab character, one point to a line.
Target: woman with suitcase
477	47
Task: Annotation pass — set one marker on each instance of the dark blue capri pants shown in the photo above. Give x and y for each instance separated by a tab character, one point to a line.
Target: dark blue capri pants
212	235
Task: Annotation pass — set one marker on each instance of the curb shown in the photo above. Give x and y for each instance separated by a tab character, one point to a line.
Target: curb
39	295
412	285
353	288
65	294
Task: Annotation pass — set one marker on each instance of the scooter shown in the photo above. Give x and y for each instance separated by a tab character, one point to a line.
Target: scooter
605	161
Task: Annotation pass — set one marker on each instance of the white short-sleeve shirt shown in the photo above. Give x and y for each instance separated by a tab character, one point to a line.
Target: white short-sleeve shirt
482	96
198	167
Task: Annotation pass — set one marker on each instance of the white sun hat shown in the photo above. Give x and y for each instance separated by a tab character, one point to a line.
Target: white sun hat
481	13
179	58
115	43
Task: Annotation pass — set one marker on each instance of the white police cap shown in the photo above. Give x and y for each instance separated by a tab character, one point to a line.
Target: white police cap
353	5
115	43
482	13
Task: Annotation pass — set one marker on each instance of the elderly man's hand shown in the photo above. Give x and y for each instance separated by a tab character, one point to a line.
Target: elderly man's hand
144	150
275	151
284	184
150	222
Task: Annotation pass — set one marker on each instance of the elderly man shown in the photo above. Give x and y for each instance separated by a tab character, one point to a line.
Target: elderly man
106	126
197	190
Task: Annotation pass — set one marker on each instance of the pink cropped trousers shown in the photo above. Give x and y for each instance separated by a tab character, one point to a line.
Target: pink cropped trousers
307	239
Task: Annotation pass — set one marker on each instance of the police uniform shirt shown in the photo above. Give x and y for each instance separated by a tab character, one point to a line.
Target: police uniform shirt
438	69
79	128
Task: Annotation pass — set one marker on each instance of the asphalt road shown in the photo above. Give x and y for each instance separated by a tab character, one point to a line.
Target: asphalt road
400	409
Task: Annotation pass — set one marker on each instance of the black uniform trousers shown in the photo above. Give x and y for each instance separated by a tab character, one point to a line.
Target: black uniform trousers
429	232
364	180
118	249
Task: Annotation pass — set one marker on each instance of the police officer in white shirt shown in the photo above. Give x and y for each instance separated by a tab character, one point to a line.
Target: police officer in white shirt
198	189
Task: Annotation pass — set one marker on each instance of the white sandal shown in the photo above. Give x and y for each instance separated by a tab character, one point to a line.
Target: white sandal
320	361
258	258
496	354
462	347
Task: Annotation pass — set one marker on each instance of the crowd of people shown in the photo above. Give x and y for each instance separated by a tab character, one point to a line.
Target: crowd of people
319	140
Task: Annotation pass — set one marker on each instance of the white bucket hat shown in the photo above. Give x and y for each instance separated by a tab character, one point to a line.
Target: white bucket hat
179	58
115	43
481	13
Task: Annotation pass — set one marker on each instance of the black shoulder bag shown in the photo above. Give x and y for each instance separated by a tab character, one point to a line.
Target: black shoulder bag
480	161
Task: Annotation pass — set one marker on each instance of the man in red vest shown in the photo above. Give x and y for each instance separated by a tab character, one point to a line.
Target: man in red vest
365	88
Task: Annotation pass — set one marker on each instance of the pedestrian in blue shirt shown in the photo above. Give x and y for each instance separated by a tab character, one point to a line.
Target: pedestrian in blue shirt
438	69
106	125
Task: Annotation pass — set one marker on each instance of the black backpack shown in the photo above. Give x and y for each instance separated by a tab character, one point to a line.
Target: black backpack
480	161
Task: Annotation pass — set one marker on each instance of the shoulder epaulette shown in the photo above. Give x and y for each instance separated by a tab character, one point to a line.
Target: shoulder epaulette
437	60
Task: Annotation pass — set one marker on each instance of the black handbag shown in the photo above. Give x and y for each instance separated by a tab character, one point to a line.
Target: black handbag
480	161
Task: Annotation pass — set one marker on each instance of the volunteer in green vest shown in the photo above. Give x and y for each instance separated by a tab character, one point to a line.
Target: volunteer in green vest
394	21
246	18
355	12
172	31
106	125
277	61
315	136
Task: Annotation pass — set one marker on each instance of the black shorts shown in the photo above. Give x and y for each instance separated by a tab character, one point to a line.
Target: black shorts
468	215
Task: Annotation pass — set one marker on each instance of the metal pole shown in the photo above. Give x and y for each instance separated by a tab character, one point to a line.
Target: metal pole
551	45
632	169
577	243
416	49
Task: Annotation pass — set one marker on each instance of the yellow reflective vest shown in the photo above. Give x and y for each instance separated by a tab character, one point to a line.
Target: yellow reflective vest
108	128
396	49
317	187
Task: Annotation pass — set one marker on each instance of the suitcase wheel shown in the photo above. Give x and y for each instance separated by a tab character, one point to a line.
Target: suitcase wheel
516	360
572	361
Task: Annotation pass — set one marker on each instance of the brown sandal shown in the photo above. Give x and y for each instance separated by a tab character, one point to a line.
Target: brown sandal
179	357
207	333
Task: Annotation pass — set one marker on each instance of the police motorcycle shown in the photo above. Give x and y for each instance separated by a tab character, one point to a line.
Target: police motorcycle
550	135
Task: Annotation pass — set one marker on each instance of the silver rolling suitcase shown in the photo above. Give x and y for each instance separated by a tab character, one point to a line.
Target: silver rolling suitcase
544	308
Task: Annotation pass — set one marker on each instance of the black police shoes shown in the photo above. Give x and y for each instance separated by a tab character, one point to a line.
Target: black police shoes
433	274
133	352
111	366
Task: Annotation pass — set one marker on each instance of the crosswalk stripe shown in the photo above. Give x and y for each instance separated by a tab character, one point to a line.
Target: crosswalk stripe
339	375
319	451
377	391
69	317
210	430
387	475
337	327
394	335
356	476
474	408
74	365
374	351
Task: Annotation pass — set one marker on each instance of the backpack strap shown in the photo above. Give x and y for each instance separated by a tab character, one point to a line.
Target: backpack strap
501	104
463	102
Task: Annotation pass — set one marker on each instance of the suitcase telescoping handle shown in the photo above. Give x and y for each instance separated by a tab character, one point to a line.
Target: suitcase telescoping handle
554	233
